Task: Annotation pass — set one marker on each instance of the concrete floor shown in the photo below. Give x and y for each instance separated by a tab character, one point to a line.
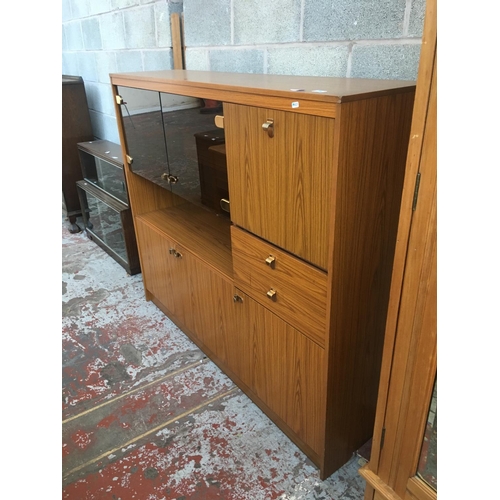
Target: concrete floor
147	416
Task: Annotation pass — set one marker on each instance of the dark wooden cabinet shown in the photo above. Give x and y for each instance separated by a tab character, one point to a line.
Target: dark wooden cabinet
76	127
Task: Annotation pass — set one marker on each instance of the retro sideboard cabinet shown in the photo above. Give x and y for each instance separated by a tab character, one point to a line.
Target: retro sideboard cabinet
266	227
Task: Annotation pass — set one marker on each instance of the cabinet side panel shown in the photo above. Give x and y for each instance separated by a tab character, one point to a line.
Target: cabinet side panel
372	139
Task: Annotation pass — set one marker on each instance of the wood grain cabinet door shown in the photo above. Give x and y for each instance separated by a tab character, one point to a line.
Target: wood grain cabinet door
279	173
165	268
198	298
211	308
282	367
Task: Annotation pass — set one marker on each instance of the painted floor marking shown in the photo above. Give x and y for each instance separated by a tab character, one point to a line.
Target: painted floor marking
116	398
151	431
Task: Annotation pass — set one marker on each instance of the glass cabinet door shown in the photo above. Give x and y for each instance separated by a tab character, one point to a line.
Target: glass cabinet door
104	174
173	142
196	150
143	128
103	220
427	466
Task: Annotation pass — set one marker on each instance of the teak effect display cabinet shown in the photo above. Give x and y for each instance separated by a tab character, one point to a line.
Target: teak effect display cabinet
284	284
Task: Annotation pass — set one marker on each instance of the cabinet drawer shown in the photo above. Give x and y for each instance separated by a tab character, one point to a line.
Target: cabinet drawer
289	287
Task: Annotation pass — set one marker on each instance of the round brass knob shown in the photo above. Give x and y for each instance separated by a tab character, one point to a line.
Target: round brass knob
171	179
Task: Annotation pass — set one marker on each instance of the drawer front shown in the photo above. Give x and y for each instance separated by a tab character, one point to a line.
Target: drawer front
292	289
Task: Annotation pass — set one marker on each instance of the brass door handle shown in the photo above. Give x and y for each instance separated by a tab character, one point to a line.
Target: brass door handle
269	127
171	179
175	253
271	261
219	121
272	295
224	204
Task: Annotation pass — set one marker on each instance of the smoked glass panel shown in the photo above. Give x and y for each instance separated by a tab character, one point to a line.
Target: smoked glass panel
196	150
110	179
427	467
143	127
104	222
106	175
174	143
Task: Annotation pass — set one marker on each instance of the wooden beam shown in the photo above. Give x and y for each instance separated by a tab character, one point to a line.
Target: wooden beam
177	46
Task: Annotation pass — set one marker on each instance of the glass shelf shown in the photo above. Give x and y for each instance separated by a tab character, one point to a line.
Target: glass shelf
108	222
102	165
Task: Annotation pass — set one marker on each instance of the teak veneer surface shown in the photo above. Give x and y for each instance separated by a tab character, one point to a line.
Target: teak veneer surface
326	190
281	186
333	89
163	272
371	141
206	235
410	354
284	369
276	363
300	288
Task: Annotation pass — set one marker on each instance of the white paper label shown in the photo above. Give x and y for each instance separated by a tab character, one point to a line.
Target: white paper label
295	104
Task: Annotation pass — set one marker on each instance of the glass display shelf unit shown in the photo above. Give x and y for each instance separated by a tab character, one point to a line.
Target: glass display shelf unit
108	222
102	165
104	202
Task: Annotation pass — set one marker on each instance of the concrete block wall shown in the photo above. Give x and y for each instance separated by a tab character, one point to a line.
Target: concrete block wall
345	38
100	37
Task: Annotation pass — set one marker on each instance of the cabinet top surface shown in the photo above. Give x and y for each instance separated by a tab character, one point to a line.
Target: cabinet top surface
318	88
70	79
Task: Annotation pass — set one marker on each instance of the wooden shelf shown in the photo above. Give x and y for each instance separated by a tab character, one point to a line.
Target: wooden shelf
206	235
